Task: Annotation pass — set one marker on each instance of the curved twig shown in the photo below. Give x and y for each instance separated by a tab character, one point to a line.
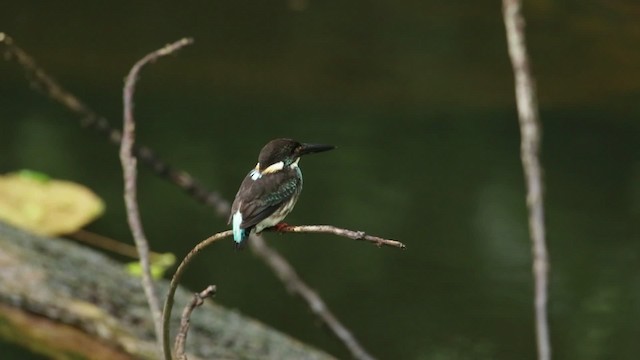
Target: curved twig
130	174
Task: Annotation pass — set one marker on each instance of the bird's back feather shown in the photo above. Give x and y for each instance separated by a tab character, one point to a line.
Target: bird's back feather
260	197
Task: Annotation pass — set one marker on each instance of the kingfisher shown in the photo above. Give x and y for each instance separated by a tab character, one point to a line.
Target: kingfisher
270	190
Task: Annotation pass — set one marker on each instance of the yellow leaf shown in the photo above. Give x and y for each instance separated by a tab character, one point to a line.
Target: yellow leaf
32	201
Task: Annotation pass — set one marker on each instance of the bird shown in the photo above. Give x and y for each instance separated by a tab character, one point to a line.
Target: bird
270	190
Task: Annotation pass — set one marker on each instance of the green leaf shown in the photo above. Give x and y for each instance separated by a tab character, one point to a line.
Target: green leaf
160	263
33	175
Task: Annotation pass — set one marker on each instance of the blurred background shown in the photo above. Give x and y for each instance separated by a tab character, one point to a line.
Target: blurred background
418	96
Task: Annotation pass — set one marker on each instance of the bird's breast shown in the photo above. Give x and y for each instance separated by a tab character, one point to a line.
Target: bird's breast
280	213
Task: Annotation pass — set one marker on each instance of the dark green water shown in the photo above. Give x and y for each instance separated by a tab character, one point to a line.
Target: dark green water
418	96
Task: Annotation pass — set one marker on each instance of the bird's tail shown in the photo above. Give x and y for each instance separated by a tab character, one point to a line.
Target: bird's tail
239	234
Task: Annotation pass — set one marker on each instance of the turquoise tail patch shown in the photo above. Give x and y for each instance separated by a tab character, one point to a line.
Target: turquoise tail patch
239	234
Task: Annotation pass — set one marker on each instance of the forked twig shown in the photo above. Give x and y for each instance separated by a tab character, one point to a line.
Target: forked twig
529	152
130	174
181	338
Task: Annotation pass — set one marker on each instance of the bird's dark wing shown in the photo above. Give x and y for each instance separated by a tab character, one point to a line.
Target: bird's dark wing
258	199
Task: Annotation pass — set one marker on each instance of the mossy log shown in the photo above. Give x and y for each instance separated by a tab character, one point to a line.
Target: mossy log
67	301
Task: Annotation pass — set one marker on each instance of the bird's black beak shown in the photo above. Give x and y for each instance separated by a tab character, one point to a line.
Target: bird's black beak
305	149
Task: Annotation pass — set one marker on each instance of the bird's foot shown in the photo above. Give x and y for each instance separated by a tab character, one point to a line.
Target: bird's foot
280	226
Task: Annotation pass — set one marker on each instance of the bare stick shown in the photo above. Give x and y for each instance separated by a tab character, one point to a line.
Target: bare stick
41	80
108	244
529	149
329	229
130	174
181	338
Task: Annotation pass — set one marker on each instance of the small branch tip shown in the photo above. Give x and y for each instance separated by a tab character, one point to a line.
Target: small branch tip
181	337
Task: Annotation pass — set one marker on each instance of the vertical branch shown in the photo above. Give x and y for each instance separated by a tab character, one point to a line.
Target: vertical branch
130	174
530	149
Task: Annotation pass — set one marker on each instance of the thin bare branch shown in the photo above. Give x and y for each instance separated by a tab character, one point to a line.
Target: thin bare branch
108	244
529	149
181	338
41	80
329	229
130	174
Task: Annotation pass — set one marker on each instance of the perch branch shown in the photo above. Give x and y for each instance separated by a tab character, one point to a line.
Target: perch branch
130	174
181	338
329	229
529	152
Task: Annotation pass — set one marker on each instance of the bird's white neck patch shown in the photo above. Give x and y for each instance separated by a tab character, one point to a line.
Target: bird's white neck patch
257	174
273	168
